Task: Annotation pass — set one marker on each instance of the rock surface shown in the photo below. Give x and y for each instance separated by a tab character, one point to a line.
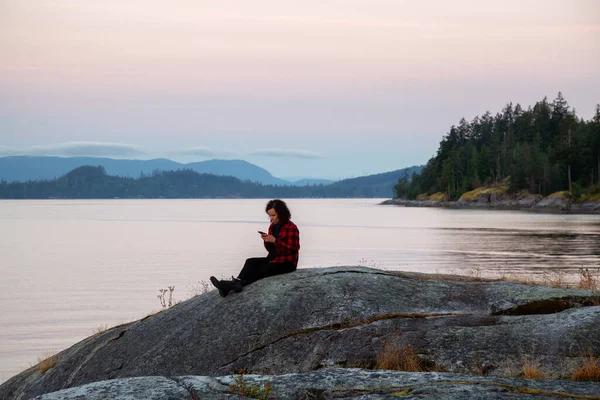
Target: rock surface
338	317
537	203
554	202
332	383
587	207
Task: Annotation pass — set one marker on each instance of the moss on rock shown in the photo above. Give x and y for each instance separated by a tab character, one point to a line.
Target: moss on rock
474	195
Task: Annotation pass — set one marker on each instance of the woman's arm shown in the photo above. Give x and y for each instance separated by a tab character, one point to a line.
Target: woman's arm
268	245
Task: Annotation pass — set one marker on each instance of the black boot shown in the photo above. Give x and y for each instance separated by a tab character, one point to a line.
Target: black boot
232	285
223	288
236	284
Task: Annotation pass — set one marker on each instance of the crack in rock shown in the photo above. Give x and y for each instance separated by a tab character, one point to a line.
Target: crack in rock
188	387
358	272
340	326
349	271
91	355
120	367
523	389
550	306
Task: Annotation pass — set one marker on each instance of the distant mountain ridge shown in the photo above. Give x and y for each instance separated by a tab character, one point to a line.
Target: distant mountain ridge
306	182
92	182
377	185
26	168
38	169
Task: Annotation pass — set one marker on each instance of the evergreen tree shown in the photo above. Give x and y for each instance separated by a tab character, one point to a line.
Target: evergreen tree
402	187
543	149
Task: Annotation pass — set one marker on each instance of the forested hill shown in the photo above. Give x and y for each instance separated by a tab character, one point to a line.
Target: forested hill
542	149
32	168
378	185
89	182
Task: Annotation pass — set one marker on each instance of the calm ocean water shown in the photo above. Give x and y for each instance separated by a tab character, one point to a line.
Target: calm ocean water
71	267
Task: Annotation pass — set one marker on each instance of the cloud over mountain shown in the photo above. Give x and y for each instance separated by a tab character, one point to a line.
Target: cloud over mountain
206	152
81	149
7	151
286	153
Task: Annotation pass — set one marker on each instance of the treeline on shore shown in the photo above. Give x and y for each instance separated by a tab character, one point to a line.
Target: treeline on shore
542	149
92	182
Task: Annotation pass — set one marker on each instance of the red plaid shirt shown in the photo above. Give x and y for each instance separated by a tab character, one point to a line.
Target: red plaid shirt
287	243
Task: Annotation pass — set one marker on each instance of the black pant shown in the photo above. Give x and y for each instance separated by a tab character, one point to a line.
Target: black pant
258	268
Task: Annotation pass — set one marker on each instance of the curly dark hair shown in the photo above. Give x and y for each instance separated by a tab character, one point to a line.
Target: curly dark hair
281	209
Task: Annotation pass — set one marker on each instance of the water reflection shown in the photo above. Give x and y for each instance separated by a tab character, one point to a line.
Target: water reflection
91	263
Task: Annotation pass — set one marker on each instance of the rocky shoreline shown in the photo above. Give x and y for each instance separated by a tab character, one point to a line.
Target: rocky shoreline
321	334
329	384
557	203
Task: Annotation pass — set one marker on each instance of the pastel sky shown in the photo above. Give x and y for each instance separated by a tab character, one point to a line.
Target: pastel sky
311	88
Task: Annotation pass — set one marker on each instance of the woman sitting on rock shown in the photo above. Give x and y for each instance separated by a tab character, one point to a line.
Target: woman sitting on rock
282	242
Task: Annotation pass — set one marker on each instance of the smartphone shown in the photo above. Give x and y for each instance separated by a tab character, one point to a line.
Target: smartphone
262	233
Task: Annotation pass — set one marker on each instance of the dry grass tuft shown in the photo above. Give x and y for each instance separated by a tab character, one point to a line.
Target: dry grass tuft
251	390
525	281
478	366
484	190
511	370
531	369
476	274
201	288
439	196
589	371
522	279
588	280
563	193
101	328
46	362
106	327
400	358
166	297
556	279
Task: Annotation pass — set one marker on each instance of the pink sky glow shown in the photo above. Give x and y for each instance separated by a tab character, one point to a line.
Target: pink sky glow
199	74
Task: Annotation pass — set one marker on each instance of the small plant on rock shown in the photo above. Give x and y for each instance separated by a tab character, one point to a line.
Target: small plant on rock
202	288
251	390
511	370
166	301
400	358
531	369
554	279
589	371
46	362
101	329
475	272
588	279
478	366
363	262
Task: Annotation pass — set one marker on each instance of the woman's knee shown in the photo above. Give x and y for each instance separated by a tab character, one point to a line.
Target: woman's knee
251	261
273	269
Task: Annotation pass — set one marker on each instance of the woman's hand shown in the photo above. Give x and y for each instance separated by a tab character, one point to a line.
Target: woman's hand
268	238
